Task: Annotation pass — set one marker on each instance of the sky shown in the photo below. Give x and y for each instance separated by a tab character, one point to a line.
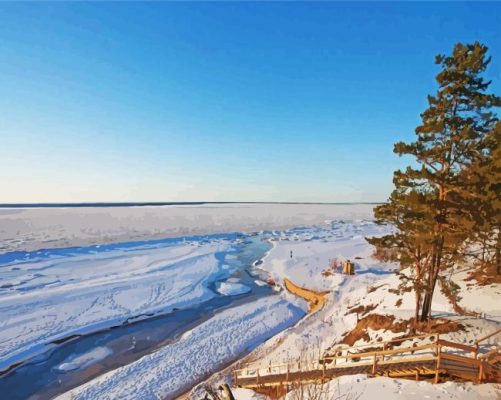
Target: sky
298	102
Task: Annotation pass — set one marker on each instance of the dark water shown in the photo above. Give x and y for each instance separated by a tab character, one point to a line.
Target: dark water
40	377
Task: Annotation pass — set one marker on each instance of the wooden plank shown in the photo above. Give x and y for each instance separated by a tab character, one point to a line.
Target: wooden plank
446	343
408	360
465	360
457	364
455	371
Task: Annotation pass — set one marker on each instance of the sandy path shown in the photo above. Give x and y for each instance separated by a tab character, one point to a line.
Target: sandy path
316	300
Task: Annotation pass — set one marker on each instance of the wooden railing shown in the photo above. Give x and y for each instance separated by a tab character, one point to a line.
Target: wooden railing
483	339
352	356
378	358
488	336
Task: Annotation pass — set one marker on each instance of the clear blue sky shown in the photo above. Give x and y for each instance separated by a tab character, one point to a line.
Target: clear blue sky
219	101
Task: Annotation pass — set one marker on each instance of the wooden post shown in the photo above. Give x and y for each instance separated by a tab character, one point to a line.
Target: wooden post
287	376
481	373
257	376
437	368
323	372
374	365
417	375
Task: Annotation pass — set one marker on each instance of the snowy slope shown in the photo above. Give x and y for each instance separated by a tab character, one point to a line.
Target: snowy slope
312	248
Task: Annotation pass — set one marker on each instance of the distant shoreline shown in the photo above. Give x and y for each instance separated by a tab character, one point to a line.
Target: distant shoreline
156	204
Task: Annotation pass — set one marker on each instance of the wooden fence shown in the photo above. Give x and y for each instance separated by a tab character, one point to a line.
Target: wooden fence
427	355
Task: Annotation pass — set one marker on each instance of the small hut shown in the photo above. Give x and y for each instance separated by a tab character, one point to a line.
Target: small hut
348	268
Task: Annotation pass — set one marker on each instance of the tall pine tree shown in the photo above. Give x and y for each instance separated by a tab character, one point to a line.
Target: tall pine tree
431	206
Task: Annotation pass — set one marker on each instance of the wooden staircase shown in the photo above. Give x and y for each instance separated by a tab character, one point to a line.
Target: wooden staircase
492	360
427	356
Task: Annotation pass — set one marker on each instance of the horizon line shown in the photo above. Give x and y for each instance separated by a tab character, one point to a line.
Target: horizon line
165	203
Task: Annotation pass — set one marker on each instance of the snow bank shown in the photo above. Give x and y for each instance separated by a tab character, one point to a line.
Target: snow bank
246	394
199	352
361	387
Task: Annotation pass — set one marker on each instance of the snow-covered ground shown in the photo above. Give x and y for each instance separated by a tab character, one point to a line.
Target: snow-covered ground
312	249
175	368
361	387
302	254
212	344
42	299
50	295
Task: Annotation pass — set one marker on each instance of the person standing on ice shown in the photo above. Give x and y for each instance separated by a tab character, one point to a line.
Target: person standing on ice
291	253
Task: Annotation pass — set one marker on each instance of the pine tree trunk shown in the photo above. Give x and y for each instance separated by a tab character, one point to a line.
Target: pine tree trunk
427	300
430	300
484	248
498	254
418	285
434	278
418	303
424	309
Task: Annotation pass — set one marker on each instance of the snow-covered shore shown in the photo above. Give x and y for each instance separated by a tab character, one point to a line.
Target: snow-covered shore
369	289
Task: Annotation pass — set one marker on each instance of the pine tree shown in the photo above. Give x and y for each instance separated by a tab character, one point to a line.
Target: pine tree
431	206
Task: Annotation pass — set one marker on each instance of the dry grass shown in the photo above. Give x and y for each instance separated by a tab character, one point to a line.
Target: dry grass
389	322
374	288
485	276
362	310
